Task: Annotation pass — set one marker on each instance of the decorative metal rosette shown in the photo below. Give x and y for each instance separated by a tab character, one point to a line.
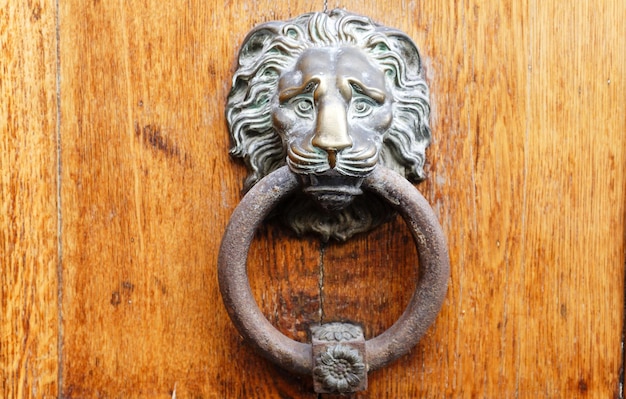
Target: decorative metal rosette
340	369
338	358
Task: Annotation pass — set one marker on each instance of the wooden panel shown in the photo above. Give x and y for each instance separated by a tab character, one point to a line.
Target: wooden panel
573	249
148	187
28	201
526	174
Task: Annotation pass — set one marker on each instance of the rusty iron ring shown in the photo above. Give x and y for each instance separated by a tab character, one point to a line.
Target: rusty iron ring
430	291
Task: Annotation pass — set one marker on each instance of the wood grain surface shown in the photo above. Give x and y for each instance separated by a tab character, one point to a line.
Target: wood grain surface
29	254
527	174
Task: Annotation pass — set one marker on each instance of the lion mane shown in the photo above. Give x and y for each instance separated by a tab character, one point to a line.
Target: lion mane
271	48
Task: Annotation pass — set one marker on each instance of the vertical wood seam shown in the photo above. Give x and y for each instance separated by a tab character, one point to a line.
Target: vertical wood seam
59	207
321	282
129	109
529	41
620	388
623	353
458	372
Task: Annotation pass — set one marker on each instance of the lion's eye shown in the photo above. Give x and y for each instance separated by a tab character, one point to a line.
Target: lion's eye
303	107
362	107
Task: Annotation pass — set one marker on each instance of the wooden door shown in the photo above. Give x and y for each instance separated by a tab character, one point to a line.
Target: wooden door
116	186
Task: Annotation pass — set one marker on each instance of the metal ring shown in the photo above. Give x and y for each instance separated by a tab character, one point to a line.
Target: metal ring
421	311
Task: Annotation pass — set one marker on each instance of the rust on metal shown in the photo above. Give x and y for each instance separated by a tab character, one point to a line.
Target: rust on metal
296	356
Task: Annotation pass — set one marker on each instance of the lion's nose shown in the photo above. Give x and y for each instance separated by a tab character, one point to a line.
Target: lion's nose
331	130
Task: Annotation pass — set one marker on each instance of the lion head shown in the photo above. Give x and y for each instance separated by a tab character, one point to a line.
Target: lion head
331	95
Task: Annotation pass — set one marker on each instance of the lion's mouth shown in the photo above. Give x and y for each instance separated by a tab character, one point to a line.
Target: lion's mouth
332	190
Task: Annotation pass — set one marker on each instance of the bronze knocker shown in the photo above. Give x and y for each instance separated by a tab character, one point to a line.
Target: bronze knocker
331	111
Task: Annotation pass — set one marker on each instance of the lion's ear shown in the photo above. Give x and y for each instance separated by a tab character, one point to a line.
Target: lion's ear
256	43
408	50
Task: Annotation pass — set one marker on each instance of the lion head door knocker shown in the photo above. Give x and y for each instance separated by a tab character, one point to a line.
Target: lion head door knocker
329	111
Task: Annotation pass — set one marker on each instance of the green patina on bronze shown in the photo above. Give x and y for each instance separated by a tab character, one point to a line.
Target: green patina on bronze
331	95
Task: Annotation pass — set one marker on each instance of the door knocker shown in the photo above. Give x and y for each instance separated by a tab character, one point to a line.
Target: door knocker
329	111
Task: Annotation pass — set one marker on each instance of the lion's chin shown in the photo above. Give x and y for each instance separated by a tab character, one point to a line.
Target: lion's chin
332	190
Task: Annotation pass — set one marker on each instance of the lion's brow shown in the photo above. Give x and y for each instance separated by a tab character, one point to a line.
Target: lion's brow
374	94
290	92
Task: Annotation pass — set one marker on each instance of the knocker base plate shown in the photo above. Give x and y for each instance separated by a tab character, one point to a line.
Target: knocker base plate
339	359
330	94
